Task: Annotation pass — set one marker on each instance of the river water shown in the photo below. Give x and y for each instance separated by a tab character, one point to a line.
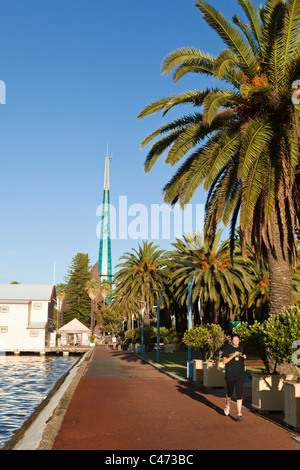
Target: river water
24	382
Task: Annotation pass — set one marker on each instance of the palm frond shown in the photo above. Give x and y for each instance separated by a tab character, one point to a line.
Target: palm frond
215	100
253	16
290	30
191	56
256	136
292	152
251	190
273	45
174	125
158	149
226	64
165	104
224	152
248	34
187	140
230	35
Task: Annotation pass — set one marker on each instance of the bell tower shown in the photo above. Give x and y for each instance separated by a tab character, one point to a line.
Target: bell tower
104	263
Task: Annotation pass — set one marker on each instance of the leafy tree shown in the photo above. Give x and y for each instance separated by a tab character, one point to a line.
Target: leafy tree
206	338
61	289
252	338
76	296
242	143
280	332
110	318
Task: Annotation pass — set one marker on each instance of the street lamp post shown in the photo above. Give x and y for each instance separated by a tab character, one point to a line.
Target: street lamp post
190	372
142	329
158	322
132	328
123	330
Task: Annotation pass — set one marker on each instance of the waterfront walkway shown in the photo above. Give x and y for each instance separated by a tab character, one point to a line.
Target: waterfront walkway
123	403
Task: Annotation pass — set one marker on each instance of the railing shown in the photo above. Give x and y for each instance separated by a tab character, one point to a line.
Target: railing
49	345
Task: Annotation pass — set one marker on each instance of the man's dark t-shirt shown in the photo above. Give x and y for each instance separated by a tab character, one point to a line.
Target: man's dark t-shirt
234	369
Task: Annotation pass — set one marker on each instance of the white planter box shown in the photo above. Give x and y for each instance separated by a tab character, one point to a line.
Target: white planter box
214	374
172	347
267	392
292	404
198	370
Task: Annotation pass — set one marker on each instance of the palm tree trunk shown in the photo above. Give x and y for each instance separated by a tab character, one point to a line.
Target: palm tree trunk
147	317
280	267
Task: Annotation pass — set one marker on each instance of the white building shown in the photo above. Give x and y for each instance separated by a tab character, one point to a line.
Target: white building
26	317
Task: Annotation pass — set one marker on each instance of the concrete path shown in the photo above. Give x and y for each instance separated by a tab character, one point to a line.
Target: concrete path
123	403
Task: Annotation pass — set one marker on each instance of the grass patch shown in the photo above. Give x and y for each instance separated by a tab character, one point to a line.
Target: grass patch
174	363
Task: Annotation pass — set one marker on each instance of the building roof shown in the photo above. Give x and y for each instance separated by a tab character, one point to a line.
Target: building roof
74	326
26	292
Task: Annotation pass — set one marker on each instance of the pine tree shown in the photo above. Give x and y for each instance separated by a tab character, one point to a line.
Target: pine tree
77	298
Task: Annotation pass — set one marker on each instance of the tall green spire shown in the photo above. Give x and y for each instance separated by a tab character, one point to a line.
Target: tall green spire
104	263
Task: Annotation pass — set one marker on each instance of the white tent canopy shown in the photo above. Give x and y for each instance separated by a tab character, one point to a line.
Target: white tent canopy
74	333
74	326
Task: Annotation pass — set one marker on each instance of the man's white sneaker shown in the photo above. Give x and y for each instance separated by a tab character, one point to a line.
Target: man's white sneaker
239	417
226	410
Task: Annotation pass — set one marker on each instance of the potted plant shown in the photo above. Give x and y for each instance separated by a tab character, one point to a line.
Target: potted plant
280	331
131	338
58	339
208	339
171	341
292	404
272	341
286	349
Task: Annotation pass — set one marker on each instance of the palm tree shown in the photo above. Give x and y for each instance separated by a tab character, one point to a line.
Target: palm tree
244	137
93	288
258	297
220	284
61	295
140	272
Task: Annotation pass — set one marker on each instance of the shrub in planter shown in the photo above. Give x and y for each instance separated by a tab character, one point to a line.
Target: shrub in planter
206	338
253	339
133	335
150	335
92	339
171	336
280	332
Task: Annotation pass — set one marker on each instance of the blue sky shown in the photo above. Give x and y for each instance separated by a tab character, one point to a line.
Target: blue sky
77	73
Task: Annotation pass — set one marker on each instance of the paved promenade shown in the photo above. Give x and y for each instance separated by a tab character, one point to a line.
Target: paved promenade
123	403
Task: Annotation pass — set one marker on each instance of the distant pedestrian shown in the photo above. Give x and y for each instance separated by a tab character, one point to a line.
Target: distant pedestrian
114	341
233	359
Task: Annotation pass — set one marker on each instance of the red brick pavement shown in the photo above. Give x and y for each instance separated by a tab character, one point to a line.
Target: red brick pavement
123	403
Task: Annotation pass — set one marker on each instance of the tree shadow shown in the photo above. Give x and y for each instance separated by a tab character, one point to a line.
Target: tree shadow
126	356
201	395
